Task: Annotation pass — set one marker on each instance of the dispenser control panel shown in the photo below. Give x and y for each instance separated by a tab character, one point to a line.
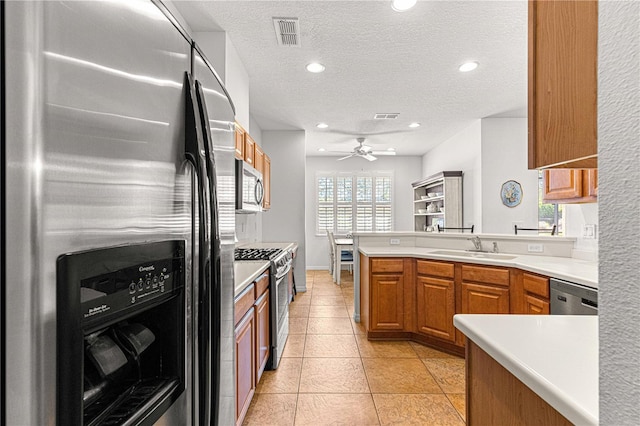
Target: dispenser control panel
122	278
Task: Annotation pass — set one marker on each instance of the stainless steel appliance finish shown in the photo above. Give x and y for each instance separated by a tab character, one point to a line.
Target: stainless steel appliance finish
249	188
94	156
569	298
279	304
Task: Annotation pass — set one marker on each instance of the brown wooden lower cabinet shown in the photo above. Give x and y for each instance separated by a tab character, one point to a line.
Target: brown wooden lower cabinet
535	305
436	305
387	302
494	396
484	299
416	299
245	364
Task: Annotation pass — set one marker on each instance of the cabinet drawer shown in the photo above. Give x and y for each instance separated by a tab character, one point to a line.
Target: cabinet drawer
536	284
436	269
244	302
387	265
482	274
262	283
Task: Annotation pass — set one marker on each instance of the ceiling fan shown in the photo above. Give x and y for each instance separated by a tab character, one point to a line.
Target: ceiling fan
364	151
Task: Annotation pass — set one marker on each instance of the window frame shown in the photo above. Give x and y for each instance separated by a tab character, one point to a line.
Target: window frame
354	204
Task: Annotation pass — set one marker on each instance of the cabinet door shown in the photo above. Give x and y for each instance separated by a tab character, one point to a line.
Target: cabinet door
535	305
387	301
562	184
266	179
484	299
436	306
249	149
239	153
263	338
258	158
563	40
245	364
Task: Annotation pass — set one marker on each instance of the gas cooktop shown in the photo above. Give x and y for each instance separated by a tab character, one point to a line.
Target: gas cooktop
256	253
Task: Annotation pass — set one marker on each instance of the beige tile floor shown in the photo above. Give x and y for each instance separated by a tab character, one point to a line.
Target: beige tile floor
330	374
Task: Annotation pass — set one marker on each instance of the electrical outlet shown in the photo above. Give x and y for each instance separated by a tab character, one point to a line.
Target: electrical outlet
535	248
394	241
589	232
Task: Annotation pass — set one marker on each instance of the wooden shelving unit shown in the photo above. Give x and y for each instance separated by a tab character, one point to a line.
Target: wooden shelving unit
438	197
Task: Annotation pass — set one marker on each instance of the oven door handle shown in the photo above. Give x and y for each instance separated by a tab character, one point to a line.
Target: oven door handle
284	273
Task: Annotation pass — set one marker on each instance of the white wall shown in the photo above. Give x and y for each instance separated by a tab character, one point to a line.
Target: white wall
461	152
504	157
218	48
285	222
619	195
405	170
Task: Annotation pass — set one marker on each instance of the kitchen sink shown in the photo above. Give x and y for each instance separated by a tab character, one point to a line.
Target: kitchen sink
475	254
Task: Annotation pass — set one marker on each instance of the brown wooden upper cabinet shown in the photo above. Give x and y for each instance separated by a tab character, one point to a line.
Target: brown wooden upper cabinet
570	186
240	132
563	38
258	158
249	149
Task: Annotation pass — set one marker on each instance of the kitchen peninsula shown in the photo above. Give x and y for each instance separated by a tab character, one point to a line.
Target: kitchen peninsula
409	286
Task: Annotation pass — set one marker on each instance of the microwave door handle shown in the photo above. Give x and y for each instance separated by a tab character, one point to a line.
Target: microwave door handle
259	192
215	292
194	152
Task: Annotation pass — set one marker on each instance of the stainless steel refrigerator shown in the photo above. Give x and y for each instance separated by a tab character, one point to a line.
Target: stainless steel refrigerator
116	132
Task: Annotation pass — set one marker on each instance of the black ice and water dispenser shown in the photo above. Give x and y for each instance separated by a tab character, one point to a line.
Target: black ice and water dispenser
121	341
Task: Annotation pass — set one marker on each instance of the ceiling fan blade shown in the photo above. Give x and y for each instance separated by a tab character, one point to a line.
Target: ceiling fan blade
383	152
369	157
344	158
339	152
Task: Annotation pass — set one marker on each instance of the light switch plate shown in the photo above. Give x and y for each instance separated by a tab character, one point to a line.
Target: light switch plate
394	241
589	231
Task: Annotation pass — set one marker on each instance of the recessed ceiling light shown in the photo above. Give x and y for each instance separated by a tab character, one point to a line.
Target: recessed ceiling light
414	125
315	67
391	149
468	66
402	5
322	125
321	149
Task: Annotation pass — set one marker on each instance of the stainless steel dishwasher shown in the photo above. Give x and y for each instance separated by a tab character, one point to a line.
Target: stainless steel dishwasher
569	298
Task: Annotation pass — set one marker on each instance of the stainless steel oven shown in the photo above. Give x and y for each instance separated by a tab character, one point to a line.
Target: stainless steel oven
279	276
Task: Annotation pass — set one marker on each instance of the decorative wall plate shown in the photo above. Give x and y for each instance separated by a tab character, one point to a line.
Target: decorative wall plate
511	193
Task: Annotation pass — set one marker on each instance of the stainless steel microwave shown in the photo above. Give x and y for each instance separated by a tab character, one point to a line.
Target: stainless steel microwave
249	188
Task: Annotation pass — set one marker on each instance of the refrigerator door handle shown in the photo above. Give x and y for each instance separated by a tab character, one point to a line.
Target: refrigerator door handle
195	153
215	314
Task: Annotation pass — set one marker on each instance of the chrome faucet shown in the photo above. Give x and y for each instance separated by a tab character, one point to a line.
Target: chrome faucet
477	243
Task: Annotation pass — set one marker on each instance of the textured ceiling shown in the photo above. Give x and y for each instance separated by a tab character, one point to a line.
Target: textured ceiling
377	60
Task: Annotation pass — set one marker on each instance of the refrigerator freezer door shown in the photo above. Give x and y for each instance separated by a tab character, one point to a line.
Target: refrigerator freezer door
94	158
218	113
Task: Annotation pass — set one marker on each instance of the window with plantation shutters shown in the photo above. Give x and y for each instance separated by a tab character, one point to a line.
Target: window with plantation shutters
354	202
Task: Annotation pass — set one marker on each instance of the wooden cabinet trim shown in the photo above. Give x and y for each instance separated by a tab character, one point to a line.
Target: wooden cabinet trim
435	269
258	158
249	149
383	265
435	307
263	335
486	274
536	305
245	364
484	299
387	302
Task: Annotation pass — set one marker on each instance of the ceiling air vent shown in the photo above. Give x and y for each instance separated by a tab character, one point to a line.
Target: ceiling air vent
386	116
287	31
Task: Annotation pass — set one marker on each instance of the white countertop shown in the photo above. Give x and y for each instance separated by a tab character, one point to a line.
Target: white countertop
556	356
575	270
